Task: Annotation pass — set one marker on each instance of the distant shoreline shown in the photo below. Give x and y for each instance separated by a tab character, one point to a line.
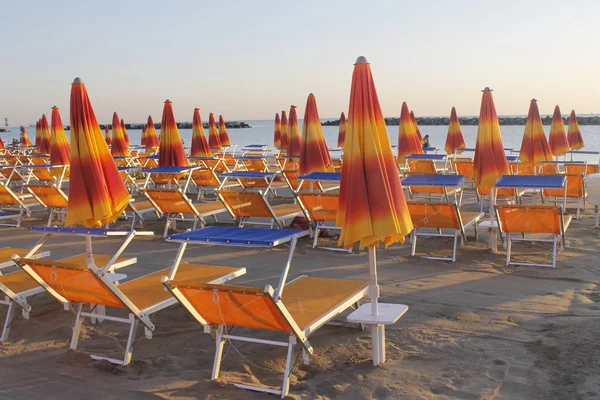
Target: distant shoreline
444	121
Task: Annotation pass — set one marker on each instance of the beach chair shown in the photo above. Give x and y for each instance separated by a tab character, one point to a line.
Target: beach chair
138	209
78	283
50	197
320	208
581	168
439	216
509	195
176	206
463	166
575	193
525	219
296	309
245	204
17	205
206	178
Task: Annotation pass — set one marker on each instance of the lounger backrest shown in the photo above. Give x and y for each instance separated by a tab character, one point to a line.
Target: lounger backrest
463	166
581	169
549	169
421	167
8	198
292	178
170	201
530	218
205	177
255	165
523	169
74	282
234	305
501	193
575	187
320	206
245	203
165	179
442	215
48	195
216	165
43	174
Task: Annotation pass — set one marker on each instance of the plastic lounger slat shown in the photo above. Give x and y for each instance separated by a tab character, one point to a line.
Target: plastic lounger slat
233	235
433	180
322	176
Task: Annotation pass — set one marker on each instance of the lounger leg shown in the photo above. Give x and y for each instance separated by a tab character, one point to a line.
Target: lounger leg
454	246
130	339
9	317
167	227
77	328
554	251
316	235
305	356
413	239
49	219
285	387
508	248
220	342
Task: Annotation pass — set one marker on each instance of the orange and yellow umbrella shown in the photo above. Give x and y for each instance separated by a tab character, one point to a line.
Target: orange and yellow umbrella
37	133
125	135
574	135
285	129
490	160
559	144
152	141
107	138
171	152
294	146
342	132
200	147
44	145
97	194
408	138
59	145
1	143
214	141
414	119
314	155
25	142
223	136
144	134
534	147
454	139
277	132
119	146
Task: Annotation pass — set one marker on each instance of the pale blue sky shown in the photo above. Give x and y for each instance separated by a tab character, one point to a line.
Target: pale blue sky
250	59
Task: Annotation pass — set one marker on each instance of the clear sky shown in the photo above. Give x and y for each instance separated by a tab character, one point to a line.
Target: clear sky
249	59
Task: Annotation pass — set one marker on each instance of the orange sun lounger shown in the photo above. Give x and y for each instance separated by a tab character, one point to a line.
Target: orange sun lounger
50	197
320	208
575	192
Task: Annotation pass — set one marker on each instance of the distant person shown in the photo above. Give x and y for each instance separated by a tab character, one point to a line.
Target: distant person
426	142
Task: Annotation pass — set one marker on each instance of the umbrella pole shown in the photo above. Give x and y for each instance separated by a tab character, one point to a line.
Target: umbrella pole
493	231
88	251
377	331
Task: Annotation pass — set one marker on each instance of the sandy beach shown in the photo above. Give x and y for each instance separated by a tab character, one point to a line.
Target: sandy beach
476	329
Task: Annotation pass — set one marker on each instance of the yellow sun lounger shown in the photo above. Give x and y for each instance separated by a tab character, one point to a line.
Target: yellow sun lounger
20	204
50	197
176	206
533	219
245	204
441	215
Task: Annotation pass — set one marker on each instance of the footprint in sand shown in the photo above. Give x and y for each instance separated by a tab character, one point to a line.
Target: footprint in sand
498	371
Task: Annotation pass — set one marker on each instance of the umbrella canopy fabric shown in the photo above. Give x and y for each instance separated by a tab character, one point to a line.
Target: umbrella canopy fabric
25	142
372	208
171	152
534	147
151	135
44	144
408	138
277	132
214	141
144	134
558	142
200	147
454	138
414	119
342	132
125	135
294	146
314	155
97	194
223	136
285	129
107	137
490	161
574	135
59	145
119	146
37	132
1	143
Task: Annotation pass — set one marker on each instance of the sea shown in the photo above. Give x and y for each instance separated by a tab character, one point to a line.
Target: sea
261	132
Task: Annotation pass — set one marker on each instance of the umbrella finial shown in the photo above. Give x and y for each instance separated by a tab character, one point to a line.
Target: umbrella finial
534	99
77	80
487	89
310	94
196	109
168	101
53	107
361	60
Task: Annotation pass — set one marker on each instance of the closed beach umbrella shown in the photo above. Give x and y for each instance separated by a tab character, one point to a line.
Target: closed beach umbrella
25	142
285	129
408	139
37	132
314	155
144	134
200	147
342	132
59	145
372	208
125	135
214	141
277	132
294	146
107	137
559	144
152	141
97	193
119	146
454	139
223	136
171	152
414	119
534	147
574	135
1	143
44	145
